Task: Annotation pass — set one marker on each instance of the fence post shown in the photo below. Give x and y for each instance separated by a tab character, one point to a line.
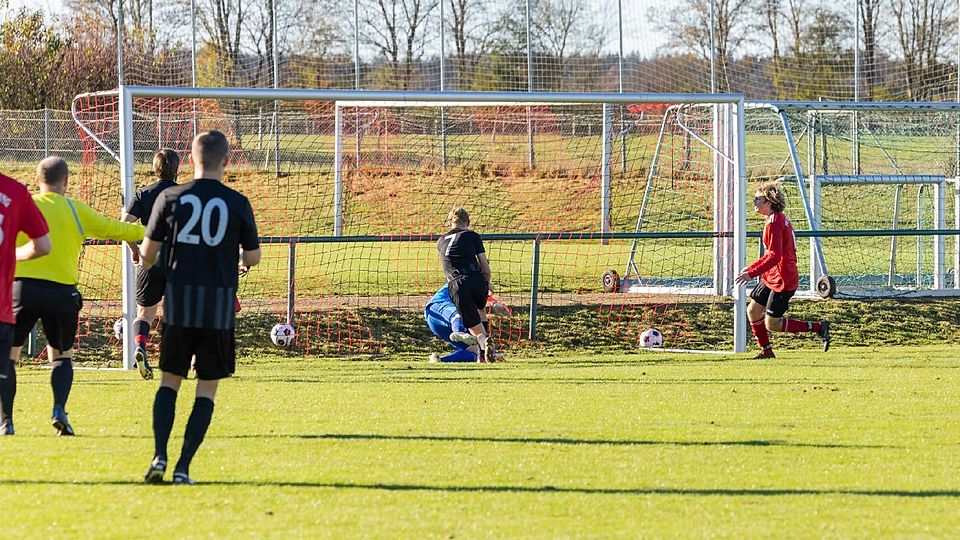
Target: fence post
46	131
605	171
534	285
291	279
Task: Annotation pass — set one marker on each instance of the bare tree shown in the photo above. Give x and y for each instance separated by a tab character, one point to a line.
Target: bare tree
397	30
472	27
688	23
869	18
923	29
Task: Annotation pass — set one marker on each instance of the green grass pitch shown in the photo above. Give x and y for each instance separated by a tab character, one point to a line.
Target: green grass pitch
857	442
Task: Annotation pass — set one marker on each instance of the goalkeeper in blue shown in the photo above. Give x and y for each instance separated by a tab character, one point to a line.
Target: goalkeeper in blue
444	321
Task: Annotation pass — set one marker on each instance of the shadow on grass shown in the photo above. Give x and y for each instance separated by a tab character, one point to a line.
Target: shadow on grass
704	492
546	440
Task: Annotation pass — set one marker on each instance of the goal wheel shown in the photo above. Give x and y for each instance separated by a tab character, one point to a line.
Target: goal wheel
826	286
611	281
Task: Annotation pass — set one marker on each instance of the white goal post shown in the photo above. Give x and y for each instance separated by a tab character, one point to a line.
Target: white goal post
733	164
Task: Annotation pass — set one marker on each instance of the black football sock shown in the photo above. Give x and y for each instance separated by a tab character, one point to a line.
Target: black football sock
193	435
61	380
8	390
141	331
164	409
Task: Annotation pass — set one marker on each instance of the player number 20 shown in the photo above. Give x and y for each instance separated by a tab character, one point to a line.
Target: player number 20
203	214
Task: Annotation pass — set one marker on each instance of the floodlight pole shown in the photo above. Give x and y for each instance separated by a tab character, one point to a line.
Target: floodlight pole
120	24
276	84
193	62
128	272
531	157
443	124
856	89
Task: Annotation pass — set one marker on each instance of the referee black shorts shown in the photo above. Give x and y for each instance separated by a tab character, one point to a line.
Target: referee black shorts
56	305
215	351
150	285
469	294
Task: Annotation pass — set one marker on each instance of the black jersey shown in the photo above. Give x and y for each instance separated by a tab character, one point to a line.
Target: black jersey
142	202
458	253
203	224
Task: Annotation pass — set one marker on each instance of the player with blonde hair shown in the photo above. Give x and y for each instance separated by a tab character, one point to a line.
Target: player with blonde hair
777	270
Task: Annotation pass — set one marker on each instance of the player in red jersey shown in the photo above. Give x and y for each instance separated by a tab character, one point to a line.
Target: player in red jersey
18	213
779	279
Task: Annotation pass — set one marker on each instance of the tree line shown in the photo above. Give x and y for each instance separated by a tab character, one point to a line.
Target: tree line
766	49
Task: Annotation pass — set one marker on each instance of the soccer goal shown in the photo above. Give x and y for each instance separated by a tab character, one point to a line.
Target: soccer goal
876	181
351	190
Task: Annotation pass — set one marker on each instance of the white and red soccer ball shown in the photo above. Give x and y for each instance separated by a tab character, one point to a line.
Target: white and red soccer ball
651	338
282	335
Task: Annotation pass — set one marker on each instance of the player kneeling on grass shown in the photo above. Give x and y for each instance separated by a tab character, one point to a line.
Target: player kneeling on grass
445	322
45	289
202	226
150	282
778	273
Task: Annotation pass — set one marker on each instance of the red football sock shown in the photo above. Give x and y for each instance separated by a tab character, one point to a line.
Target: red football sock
760	332
794	326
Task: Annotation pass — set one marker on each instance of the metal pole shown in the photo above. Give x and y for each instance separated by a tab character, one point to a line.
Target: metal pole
534	286
356	73
291	279
128	272
623	132
338	171
276	84
740	231
443	124
919	238
713	46
605	172
193	62
120	24
856	90
531	157
46	131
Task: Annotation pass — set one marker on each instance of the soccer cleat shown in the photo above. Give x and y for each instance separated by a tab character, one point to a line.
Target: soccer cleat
463	337
434	358
491	352
6	427
765	354
142	365
824	334
155	472
182	479
60	422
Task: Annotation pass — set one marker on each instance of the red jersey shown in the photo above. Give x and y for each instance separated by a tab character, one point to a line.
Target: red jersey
18	213
778	266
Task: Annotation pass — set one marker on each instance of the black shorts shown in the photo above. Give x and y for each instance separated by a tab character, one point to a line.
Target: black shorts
215	351
776	302
150	285
56	305
469	294
6	341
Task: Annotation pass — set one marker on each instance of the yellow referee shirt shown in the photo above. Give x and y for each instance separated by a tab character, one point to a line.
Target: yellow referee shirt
71	222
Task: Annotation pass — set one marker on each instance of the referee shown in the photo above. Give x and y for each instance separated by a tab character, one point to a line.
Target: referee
45	289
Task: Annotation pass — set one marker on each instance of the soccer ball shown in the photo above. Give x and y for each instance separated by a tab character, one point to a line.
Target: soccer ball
118	329
282	335
650	338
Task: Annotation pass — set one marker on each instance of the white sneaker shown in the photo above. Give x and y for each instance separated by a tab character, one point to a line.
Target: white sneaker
464	337
434	358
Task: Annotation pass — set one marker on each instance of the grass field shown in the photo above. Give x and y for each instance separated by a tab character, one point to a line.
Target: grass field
857	442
